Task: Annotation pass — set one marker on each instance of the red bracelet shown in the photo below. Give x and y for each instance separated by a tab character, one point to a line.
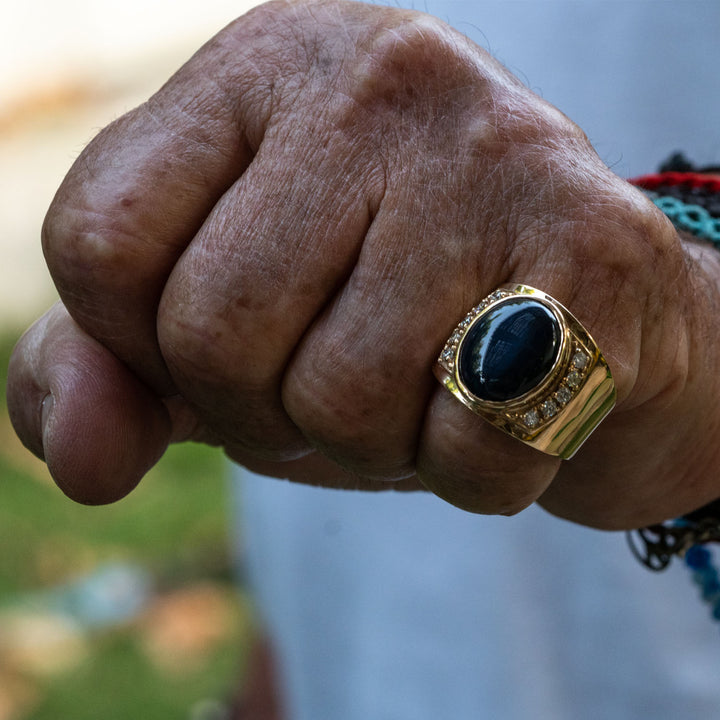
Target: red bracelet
691	180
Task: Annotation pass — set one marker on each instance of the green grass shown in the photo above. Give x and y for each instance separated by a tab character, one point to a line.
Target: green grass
176	518
118	683
173	526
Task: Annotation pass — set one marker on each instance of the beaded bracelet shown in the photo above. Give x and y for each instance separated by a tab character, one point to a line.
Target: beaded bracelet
691	200
685	537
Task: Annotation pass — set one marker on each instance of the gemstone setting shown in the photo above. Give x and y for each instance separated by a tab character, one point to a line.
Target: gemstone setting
562	406
509	350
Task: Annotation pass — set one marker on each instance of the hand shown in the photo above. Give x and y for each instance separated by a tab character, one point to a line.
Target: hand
269	254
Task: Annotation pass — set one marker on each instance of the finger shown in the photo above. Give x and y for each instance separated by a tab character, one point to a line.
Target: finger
359	382
135	198
471	464
73	404
270	256
607	275
657	458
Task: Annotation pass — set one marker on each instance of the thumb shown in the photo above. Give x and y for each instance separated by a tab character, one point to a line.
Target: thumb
76	406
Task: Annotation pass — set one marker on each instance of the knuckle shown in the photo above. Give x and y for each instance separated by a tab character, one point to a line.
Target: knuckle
422	85
83	251
350	411
230	371
624	245
232	386
413	75
96	234
526	125
408	62
194	341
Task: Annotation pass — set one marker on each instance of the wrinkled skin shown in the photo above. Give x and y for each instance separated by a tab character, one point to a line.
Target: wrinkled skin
269	254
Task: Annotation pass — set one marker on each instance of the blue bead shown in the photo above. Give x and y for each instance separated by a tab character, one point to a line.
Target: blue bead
697	557
703	577
509	350
710	589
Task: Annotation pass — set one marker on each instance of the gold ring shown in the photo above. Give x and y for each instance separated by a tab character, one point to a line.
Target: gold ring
523	362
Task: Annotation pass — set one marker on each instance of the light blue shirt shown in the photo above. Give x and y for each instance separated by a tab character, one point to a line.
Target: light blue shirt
399	607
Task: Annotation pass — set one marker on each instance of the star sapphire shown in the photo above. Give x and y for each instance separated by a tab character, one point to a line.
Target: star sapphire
509	350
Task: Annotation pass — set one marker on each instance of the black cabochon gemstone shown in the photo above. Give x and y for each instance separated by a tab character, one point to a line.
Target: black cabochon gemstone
509	350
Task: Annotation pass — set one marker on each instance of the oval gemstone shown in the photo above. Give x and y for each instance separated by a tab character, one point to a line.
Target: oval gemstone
509	350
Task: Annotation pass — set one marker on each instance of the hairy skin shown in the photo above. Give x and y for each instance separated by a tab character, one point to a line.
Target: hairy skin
277	244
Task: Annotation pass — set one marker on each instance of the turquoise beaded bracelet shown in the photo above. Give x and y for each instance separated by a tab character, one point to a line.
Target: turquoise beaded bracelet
691	218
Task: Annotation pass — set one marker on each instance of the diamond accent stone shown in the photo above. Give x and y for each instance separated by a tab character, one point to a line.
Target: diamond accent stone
531	419
549	408
580	360
563	394
573	379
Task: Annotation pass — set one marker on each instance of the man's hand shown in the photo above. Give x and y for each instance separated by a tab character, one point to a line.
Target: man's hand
269	254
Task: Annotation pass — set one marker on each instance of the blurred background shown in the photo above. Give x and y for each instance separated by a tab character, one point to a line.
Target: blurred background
131	610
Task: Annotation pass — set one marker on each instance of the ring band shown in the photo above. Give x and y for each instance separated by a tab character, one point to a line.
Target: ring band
523	362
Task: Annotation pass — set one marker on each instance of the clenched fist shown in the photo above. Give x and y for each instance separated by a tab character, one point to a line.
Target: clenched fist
269	254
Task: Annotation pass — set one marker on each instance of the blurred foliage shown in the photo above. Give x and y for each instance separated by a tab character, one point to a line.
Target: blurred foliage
174	527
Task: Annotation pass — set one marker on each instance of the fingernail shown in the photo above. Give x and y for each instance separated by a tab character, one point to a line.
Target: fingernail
46	411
